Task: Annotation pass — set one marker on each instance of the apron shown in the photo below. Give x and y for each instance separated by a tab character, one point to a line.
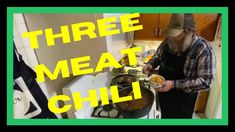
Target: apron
175	103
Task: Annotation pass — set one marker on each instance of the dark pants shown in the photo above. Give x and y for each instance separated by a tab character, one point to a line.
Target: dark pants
177	104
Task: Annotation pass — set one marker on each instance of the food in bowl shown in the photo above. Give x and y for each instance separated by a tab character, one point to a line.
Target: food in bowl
156	81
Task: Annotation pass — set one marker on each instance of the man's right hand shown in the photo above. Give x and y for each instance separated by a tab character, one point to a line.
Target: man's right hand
147	68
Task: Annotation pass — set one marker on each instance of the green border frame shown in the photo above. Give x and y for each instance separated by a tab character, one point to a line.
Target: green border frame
73	10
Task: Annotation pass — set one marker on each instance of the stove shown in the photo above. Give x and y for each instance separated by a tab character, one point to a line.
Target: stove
111	111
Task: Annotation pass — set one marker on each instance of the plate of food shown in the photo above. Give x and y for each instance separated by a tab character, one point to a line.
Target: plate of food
156	80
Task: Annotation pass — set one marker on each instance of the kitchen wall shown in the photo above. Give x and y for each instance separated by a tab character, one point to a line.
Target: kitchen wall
115	43
23	46
50	55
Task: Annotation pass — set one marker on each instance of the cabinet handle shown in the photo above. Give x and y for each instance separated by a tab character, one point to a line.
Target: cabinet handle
156	32
160	32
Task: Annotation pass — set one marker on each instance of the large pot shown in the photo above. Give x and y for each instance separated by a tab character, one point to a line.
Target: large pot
124	80
138	107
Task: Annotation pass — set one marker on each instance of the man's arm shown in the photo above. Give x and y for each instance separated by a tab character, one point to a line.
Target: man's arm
206	71
155	60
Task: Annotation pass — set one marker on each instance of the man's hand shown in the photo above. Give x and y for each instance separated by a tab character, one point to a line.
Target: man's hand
167	86
147	68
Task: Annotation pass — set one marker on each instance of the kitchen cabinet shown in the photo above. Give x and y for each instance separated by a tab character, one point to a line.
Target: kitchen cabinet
201	102
206	25
154	26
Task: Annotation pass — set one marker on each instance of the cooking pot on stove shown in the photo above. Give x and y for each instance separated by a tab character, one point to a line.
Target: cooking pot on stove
124	80
135	108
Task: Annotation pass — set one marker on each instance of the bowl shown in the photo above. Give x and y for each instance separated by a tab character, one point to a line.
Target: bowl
156	80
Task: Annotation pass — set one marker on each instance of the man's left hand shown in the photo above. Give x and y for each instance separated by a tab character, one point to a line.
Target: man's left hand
166	86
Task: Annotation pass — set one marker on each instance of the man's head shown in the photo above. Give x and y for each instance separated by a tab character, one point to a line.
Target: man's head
179	23
179	31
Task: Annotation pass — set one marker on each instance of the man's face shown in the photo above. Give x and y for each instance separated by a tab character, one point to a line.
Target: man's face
178	40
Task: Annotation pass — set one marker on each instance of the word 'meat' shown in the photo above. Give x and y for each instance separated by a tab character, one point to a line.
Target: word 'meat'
80	66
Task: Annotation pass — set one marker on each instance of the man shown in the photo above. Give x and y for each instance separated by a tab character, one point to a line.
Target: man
187	61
